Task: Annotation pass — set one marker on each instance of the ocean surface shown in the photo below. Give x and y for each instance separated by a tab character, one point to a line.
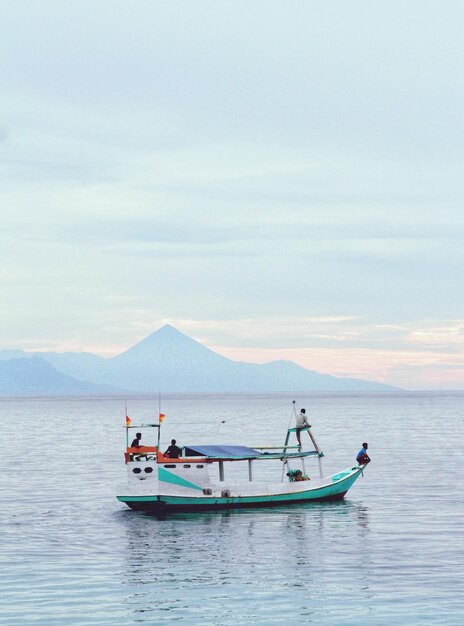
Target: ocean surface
391	553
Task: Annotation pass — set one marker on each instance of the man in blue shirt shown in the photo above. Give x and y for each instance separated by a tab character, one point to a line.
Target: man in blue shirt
362	457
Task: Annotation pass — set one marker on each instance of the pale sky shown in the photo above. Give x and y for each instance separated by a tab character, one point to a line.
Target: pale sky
275	179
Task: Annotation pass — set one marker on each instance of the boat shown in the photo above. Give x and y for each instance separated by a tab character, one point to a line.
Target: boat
196	480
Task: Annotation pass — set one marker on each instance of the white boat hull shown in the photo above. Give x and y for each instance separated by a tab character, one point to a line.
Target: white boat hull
162	496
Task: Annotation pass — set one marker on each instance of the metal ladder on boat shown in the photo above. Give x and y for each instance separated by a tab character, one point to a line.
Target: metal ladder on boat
311	436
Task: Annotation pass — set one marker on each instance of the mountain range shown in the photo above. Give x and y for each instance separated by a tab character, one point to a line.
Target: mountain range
166	360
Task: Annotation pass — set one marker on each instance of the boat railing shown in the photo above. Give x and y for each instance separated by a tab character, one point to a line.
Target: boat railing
142	451
151	453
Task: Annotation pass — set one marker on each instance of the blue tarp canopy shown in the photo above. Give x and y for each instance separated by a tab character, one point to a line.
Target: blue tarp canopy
222	452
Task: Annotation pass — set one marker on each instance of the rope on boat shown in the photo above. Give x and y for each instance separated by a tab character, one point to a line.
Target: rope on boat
214	431
238	418
292	414
253	413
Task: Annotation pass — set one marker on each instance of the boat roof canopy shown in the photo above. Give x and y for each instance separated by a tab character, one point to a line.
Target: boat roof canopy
222	452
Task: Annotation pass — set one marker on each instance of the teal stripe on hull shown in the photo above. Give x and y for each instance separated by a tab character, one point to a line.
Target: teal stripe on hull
328	492
169	477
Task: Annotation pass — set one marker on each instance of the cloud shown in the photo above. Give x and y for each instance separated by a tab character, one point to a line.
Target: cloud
259	169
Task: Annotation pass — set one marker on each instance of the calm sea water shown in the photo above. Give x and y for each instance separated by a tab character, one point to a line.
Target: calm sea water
391	553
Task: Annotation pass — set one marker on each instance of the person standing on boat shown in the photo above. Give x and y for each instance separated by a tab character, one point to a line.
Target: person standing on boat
362	457
173	452
301	422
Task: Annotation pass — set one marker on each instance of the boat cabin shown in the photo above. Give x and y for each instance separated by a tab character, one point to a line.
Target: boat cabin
195	461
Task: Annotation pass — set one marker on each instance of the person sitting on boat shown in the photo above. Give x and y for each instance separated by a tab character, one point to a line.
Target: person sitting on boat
301	422
362	457
173	452
136	443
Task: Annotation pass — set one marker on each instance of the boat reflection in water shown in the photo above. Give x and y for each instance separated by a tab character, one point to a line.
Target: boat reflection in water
238	562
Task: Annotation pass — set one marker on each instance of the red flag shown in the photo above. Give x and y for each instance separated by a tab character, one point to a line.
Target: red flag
128	421
162	416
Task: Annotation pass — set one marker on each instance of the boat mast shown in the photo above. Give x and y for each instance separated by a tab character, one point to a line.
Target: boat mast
159	417
127	429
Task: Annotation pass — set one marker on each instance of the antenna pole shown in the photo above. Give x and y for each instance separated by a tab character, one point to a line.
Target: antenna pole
127	430
159	417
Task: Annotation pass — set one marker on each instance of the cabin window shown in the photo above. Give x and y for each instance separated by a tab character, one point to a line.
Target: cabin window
148	470
187	466
136	470
199	466
170	466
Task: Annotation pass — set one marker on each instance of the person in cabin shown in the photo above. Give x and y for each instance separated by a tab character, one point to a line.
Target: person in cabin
173	452
362	457
301	422
136	443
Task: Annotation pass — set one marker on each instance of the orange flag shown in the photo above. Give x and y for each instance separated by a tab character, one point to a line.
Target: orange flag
128	420
162	416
